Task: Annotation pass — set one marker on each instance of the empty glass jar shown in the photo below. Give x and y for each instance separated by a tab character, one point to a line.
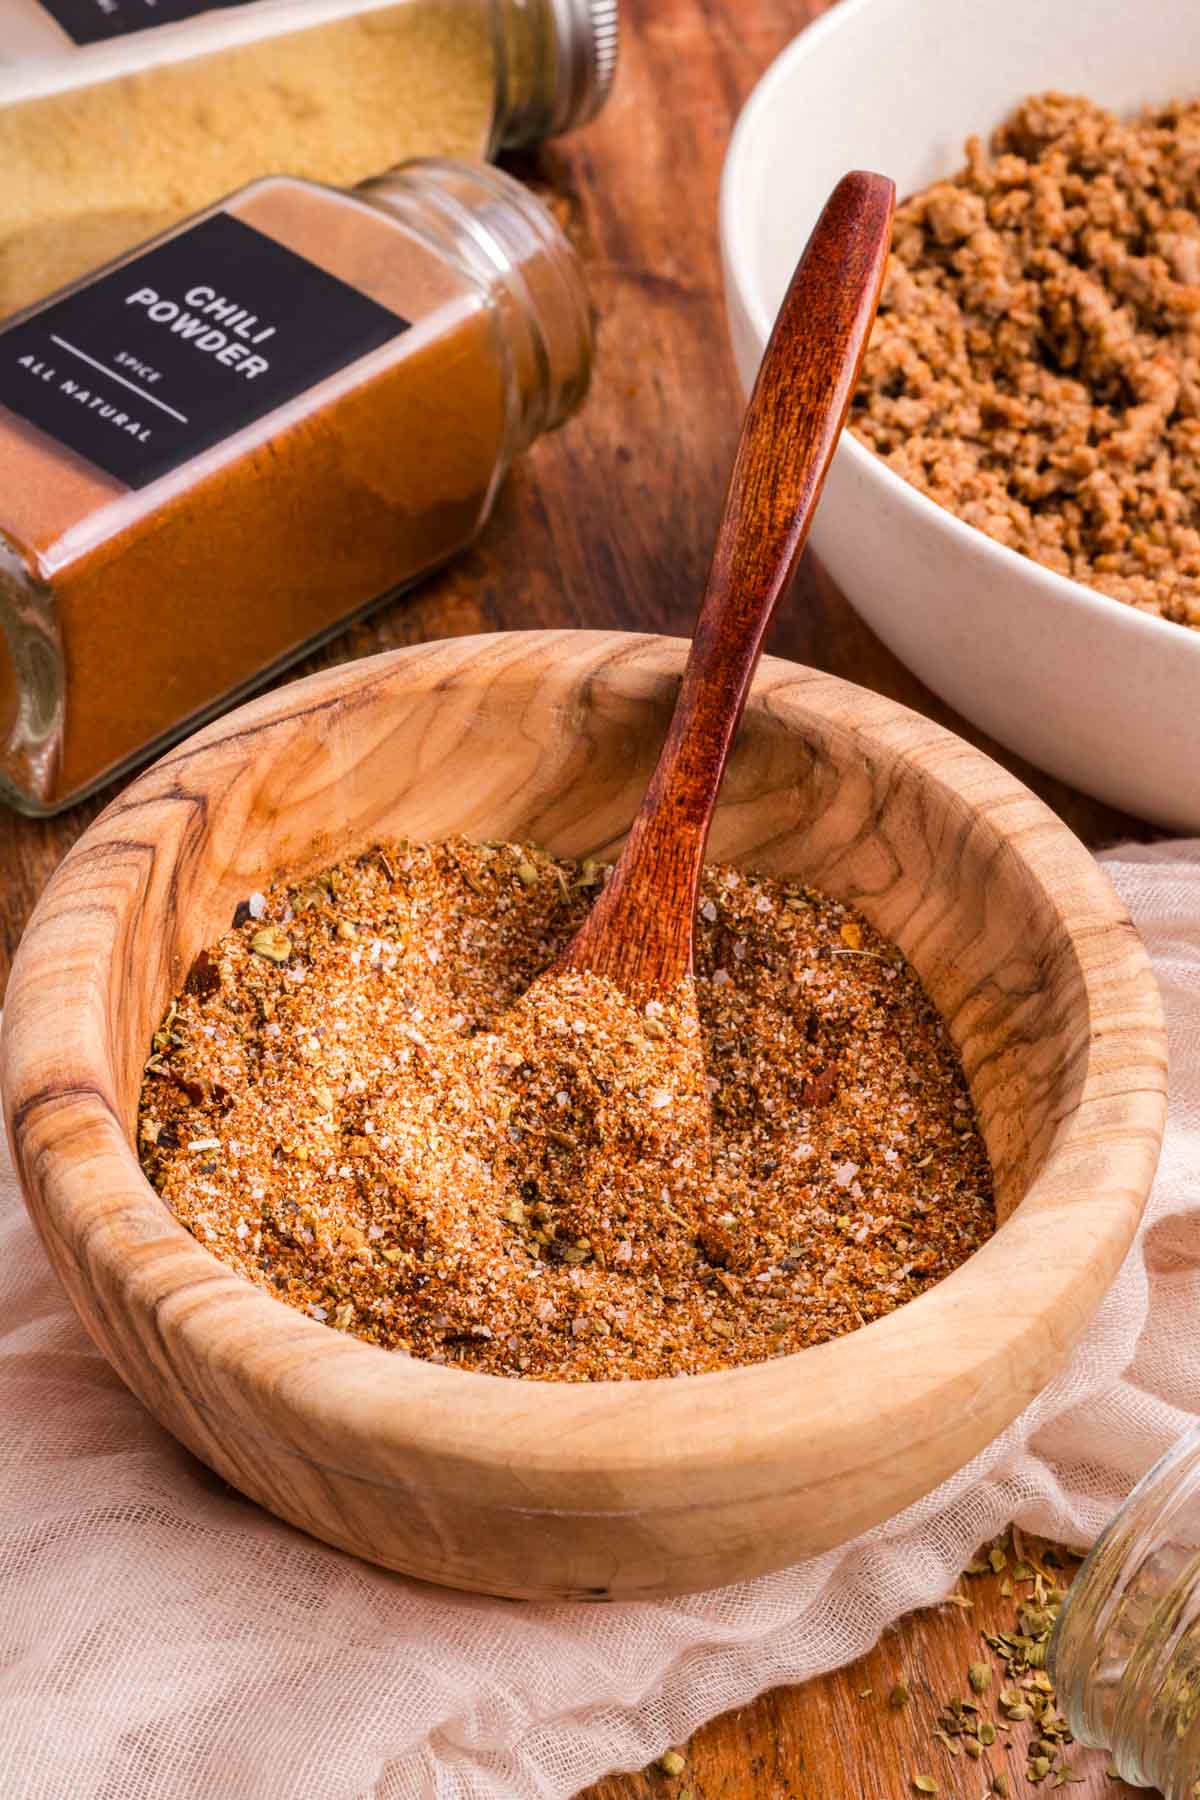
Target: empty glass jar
1125	1656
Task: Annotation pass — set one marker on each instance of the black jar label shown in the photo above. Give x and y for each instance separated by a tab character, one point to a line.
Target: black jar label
92	21
178	349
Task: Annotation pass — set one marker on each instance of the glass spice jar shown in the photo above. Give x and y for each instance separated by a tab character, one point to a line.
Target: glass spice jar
1125	1654
217	451
118	118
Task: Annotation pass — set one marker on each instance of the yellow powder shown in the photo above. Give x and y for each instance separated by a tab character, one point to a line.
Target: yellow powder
87	174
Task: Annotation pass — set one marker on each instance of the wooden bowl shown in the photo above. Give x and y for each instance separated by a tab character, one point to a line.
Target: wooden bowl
613	1489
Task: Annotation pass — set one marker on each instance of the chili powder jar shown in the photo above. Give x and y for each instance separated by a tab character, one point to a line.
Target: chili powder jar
1125	1654
218	450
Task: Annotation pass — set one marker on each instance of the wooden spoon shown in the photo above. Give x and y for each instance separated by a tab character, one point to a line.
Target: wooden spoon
638	934
631	1087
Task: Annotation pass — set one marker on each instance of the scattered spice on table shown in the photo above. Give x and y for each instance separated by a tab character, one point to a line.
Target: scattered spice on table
358	1104
1008	1712
1035	365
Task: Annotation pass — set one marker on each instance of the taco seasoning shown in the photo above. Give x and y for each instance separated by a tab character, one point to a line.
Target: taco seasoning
360	1103
216	452
119	118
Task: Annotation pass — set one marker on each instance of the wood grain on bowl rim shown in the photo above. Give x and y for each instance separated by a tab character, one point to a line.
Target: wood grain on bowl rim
609	1489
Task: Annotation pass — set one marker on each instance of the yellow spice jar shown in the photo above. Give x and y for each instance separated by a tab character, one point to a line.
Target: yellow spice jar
118	118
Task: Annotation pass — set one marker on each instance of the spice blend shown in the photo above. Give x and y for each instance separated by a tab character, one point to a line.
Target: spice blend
1035	363
358	1103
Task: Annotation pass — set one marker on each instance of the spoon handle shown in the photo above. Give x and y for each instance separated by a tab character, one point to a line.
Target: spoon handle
639	933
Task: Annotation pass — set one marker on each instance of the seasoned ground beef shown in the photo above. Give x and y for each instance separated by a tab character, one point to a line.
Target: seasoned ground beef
1035	367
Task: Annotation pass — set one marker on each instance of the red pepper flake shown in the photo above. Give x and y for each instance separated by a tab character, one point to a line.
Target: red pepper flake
204	977
820	1089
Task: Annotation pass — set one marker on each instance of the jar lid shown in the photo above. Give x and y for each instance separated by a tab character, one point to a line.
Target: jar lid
586	34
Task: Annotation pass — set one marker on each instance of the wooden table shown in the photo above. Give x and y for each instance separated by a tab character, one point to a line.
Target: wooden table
839	1738
609	523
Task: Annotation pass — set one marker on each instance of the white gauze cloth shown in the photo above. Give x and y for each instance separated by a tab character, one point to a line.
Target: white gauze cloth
163	1639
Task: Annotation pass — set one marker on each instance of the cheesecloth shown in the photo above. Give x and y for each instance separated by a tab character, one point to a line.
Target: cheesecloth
163	1639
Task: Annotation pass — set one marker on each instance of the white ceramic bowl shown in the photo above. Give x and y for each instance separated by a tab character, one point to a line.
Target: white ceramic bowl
1084	686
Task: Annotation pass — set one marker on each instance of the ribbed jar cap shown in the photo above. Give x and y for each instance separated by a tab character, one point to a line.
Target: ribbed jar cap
587	35
555	62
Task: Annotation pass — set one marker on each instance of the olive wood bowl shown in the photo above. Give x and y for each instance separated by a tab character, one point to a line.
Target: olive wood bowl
558	1490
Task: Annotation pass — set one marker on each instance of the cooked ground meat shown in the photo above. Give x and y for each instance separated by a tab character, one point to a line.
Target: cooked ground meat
1035	367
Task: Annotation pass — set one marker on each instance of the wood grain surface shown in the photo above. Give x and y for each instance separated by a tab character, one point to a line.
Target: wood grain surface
838	1738
609	523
